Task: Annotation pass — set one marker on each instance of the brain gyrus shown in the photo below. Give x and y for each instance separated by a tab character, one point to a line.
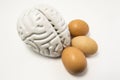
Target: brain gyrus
44	30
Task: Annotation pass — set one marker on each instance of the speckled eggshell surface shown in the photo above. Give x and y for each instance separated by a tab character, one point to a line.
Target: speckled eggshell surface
44	30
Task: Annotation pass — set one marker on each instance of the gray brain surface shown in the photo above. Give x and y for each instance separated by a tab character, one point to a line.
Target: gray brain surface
44	30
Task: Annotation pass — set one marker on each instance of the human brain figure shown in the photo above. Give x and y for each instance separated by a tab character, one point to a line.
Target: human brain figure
44	30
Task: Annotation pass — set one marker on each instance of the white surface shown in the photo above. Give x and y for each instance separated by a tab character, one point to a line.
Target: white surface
44	30
17	62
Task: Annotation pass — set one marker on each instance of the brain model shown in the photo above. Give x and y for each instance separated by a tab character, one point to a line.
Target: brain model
44	30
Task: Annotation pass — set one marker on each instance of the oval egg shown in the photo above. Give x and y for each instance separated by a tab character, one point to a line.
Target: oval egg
78	28
73	60
87	45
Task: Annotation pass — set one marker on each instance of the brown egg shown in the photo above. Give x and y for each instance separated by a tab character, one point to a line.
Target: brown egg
73	60
78	27
85	44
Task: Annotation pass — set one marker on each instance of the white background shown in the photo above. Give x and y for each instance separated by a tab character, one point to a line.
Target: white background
17	62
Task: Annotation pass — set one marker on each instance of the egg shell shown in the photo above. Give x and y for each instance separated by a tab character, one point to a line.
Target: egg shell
73	60
85	44
78	27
